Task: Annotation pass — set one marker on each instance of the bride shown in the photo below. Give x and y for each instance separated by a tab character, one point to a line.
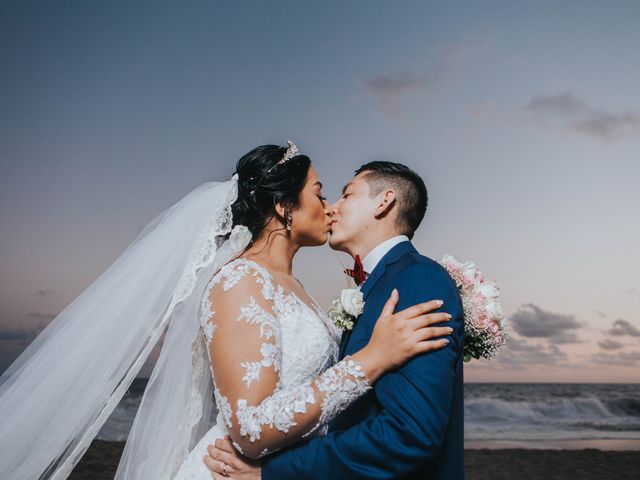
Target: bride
246	353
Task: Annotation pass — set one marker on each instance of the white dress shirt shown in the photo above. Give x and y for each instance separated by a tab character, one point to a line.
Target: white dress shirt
375	255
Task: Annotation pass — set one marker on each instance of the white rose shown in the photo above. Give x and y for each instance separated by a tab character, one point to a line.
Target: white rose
352	301
488	289
494	309
450	261
468	273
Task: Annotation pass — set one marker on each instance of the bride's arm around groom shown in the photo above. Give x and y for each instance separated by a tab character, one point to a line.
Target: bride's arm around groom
417	423
411	424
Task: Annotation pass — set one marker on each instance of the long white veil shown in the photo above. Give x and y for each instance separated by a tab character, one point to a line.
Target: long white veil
56	396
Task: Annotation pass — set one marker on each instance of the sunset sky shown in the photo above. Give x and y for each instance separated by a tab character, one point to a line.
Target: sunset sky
523	119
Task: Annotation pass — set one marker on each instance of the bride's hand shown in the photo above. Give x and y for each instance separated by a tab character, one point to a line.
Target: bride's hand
398	337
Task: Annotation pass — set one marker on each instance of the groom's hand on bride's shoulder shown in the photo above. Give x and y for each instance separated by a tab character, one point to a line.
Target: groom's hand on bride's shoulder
225	461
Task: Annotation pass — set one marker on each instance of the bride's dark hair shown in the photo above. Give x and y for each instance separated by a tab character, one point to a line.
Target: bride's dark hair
262	184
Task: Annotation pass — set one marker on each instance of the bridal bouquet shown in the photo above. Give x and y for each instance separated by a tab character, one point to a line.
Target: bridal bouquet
485	326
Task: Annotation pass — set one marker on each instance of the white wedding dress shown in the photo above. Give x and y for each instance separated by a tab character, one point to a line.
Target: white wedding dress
280	343
274	383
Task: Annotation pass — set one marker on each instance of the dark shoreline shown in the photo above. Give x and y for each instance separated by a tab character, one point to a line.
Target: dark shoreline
101	461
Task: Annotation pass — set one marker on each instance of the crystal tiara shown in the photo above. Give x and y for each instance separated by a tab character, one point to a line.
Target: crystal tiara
292	151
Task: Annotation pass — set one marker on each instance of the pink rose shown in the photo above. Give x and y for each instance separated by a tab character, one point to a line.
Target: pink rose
481	320
494	328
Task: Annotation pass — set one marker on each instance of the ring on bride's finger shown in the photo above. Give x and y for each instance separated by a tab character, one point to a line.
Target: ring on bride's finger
224	469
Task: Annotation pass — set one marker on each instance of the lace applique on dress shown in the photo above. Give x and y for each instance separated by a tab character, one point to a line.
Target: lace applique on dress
341	385
276	411
223	405
269	357
254	314
270	308
208	329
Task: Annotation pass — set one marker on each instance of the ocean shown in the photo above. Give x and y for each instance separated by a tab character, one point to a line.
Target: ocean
506	414
552	415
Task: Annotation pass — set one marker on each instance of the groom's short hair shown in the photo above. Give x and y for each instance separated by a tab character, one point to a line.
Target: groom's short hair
411	192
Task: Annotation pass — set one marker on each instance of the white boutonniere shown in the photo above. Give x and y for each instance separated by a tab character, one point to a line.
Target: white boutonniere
347	308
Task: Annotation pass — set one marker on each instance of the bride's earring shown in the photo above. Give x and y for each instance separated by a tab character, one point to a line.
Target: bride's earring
288	217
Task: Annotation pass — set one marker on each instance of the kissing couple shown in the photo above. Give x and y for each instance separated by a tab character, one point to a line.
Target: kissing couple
254	379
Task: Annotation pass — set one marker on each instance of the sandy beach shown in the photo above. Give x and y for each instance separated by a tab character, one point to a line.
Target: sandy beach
101	460
588	464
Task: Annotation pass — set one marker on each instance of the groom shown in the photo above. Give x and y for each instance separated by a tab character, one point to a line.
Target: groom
410	425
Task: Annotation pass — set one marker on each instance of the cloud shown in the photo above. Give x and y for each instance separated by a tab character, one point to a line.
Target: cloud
523	346
624	359
12	344
27	332
401	83
519	354
622	327
533	322
45	292
29	329
42	316
13	340
600	314
483	109
609	344
580	116
559	104
396	93
13	335
608	125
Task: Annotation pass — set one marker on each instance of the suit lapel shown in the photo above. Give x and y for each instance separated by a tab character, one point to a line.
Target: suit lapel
391	257
372	279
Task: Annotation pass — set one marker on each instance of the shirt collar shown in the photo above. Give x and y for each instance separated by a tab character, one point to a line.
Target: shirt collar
373	258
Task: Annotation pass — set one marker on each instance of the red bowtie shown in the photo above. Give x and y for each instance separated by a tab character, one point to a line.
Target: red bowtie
357	273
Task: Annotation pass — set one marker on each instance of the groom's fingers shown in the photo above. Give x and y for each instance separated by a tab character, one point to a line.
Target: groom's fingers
214	466
224	444
218	469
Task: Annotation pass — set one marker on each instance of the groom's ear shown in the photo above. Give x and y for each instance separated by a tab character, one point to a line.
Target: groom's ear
386	199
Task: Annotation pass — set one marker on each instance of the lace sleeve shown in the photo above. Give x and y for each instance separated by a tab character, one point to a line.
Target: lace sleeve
243	334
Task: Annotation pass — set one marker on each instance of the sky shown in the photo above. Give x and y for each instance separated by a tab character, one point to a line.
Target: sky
522	117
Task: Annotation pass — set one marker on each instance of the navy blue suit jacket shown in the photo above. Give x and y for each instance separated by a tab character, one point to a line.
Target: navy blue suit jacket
410	425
